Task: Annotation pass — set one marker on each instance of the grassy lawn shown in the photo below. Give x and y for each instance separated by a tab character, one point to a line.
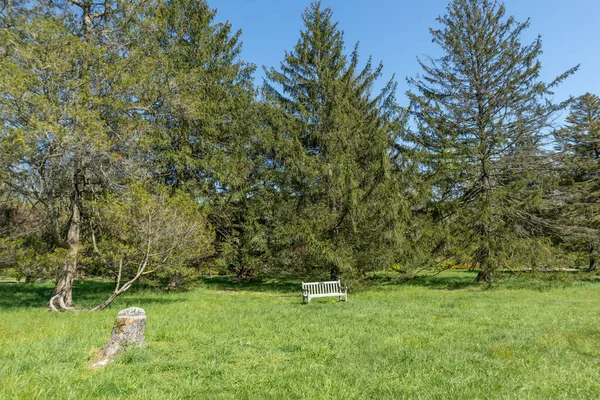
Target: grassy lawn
439	337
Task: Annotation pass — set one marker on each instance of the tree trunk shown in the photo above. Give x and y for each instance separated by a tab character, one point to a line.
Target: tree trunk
486	268
63	291
334	273
592	265
176	281
484	276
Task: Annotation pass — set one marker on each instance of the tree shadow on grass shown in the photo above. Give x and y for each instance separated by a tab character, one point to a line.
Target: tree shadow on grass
545	281
23	295
252	285
438	282
85	294
445	281
505	280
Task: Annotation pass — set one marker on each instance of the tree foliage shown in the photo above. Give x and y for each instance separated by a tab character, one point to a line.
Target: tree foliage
66	128
138	232
578	198
338	207
481	112
134	146
94	96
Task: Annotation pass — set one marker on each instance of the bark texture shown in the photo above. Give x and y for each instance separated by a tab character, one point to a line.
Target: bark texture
592	265
128	331
63	290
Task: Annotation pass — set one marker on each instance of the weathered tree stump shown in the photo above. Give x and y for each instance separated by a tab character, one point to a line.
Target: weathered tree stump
127	331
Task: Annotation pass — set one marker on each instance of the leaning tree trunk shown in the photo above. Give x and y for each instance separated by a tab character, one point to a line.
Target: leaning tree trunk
63	291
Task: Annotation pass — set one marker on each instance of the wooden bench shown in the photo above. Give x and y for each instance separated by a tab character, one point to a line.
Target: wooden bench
310	290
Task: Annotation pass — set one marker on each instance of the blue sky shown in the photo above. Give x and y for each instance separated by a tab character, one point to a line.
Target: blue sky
396	32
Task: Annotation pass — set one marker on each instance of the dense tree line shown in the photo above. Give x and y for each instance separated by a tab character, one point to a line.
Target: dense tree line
135	145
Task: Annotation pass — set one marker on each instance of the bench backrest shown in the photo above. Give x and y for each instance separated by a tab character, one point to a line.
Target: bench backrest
321	287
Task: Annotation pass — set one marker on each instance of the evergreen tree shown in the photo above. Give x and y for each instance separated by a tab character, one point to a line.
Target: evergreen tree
579	150
332	167
206	134
95	95
481	111
198	93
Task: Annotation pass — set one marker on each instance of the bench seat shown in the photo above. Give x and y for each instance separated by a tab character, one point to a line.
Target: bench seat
311	290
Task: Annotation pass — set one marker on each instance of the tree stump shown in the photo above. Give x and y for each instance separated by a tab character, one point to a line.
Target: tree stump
128	330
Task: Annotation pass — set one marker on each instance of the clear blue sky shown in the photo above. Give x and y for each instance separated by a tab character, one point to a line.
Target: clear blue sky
396	32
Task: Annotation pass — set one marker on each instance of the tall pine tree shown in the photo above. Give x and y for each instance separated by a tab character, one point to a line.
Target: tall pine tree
337	208
199	95
481	111
578	143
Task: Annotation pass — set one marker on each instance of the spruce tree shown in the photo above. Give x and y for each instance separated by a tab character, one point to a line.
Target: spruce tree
199	95
332	157
578	143
481	112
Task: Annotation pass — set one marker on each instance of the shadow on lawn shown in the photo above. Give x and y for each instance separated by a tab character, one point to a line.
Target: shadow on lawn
464	281
456	281
92	292
252	285
85	294
23	295
540	281
442	282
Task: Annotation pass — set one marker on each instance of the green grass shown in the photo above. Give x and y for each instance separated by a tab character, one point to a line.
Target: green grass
439	337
